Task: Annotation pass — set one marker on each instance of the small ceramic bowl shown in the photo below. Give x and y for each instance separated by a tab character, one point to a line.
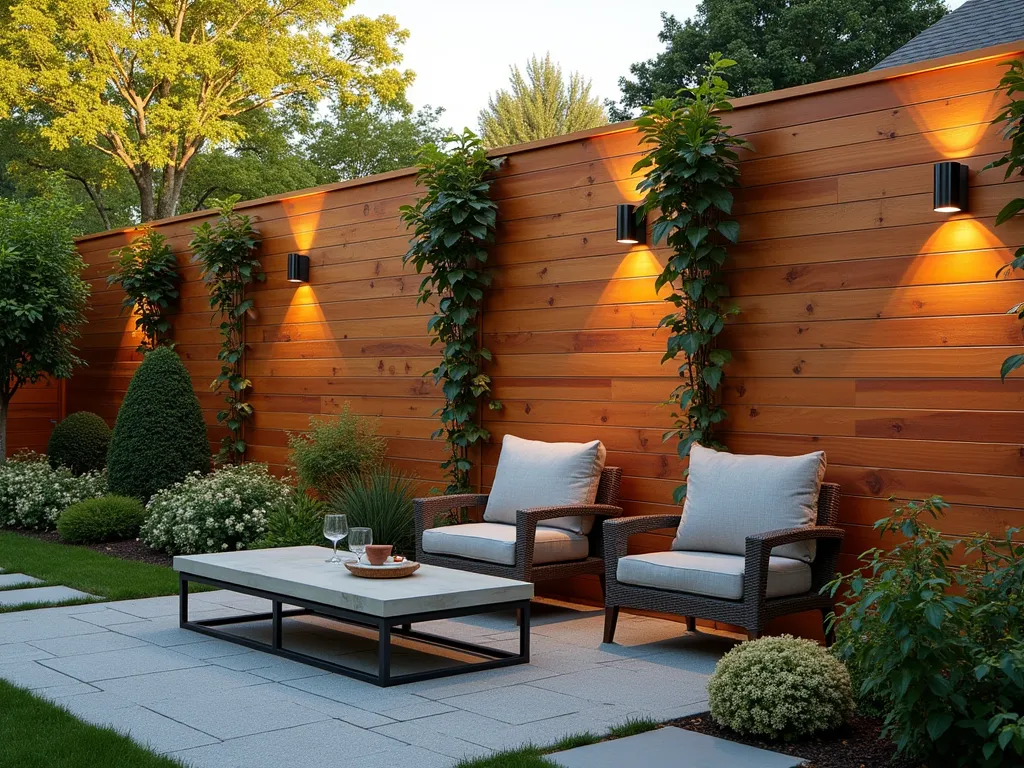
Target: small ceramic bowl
378	554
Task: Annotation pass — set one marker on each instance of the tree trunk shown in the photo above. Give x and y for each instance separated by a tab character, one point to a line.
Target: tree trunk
4	404
143	177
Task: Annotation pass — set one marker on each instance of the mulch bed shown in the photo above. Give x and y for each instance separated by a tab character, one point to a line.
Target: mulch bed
858	744
133	549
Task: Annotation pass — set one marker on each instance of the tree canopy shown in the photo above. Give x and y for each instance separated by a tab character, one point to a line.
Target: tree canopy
539	105
150	84
42	294
776	43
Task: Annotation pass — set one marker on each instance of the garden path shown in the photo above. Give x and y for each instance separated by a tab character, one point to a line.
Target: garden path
212	703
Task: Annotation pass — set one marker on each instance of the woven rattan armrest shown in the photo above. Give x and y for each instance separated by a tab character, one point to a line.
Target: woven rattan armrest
759	550
429	508
617	532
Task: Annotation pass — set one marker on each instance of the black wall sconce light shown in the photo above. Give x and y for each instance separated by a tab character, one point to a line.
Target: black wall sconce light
950	187
298	268
627	229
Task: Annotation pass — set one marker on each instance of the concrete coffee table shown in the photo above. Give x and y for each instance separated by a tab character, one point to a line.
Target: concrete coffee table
298	576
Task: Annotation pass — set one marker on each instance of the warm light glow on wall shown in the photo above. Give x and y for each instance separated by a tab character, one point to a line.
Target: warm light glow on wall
954	127
302	215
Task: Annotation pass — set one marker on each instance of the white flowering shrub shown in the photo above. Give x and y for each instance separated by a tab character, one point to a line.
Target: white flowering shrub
33	494
780	687
226	509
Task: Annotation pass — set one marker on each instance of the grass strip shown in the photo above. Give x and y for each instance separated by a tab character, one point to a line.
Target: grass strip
84	569
530	756
38	734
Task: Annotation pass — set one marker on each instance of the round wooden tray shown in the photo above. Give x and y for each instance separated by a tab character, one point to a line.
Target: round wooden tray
376	572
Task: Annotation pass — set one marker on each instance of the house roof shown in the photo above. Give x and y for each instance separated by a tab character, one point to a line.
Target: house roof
975	24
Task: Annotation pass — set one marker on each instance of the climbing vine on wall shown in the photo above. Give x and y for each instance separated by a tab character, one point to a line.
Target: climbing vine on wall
147	271
225	251
453	223
691	171
1013	161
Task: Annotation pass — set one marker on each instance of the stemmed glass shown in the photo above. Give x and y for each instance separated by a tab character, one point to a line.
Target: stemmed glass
335	529
358	540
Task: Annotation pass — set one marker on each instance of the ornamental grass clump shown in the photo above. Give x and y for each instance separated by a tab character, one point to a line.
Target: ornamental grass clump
781	688
225	510
33	494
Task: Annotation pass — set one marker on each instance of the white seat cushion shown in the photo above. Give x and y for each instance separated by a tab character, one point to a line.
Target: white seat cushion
730	497
534	474
710	573
496	543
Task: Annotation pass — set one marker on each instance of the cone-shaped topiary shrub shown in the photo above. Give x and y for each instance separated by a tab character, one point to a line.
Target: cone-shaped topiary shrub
80	443
159	436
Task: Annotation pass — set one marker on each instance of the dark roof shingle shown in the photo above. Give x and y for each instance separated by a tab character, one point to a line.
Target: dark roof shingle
975	24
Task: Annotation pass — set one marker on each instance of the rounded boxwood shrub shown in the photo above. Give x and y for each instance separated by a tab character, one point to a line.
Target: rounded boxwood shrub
80	443
159	437
108	518
780	687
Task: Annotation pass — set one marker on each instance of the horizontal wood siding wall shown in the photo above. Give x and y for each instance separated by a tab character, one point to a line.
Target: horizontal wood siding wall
34	410
870	326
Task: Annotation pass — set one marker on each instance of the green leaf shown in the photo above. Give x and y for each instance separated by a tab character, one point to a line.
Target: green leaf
938	724
934	614
729	229
1010	364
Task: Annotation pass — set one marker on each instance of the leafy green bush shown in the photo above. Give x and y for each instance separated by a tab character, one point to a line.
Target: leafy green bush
80	443
226	509
108	518
380	500
938	648
33	494
335	449
294	522
780	687
159	437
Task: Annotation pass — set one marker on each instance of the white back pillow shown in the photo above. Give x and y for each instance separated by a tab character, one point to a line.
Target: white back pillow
532	474
730	497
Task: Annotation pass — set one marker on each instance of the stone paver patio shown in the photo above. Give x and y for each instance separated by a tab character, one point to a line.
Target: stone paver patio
214	703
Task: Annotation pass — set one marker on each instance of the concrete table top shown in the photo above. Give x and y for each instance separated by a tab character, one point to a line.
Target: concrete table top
301	572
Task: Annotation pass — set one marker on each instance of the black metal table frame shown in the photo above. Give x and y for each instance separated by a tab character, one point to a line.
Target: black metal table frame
386	627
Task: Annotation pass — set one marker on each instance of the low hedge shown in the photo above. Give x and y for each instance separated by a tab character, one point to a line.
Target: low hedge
108	518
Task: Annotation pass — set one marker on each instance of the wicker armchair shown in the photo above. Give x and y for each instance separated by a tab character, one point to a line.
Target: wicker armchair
428	510
754	608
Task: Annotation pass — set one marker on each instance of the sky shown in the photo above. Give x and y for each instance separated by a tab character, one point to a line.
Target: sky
461	50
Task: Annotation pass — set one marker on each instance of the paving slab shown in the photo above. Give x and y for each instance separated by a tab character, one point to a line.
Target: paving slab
129	662
326	744
238	712
28	674
14	597
80	645
8	580
153	730
518	704
672	746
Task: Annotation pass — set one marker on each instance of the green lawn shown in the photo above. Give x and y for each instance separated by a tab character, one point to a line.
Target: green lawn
37	734
84	569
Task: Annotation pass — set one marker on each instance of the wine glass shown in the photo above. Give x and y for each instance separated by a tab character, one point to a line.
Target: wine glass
335	529
358	539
